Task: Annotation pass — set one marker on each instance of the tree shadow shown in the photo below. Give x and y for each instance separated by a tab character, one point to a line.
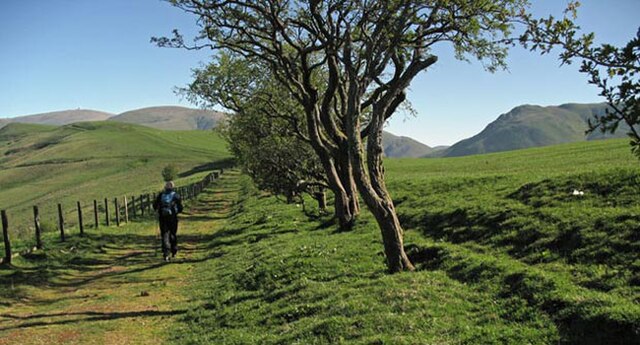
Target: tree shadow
217	165
113	257
91	316
97	257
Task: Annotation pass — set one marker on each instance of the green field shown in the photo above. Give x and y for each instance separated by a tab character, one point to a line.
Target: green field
45	165
505	254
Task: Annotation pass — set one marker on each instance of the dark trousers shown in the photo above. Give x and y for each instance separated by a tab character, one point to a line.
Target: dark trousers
168	232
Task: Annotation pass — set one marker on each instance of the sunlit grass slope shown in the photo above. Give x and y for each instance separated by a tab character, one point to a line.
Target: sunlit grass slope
505	254
45	165
509	223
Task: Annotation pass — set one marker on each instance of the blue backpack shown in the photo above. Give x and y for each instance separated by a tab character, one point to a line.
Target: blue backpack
167	206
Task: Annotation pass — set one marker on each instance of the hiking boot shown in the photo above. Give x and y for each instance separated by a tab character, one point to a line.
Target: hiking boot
166	258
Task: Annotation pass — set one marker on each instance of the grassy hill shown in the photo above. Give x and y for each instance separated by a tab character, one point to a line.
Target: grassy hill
44	165
399	146
171	118
505	254
59	117
181	118
531	126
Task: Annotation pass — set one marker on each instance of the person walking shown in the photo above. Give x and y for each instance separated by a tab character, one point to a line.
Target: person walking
168	204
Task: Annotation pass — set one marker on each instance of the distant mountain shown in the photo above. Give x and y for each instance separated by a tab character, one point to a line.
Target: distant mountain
398	146
531	125
60	118
171	118
182	118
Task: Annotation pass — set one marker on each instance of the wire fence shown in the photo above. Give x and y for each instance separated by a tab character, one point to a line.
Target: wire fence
115	211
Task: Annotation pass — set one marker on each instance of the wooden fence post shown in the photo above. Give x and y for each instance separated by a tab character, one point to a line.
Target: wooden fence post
149	203
133	207
106	210
80	224
36	223
126	210
5	236
117	211
95	212
141	205
61	223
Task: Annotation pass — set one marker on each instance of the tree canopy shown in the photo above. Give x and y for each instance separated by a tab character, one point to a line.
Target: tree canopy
347	64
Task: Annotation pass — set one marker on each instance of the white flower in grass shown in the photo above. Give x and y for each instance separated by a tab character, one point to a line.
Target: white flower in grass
577	192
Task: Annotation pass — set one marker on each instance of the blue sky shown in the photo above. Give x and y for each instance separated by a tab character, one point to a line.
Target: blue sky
66	54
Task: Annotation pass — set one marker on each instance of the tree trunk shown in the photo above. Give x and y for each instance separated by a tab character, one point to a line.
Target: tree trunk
369	179
346	177
325	150
289	195
343	208
381	206
321	199
378	199
392	233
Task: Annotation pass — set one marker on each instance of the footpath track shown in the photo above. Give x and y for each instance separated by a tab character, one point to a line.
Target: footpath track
112	286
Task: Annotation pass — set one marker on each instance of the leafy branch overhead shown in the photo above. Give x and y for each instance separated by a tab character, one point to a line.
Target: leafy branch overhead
614	70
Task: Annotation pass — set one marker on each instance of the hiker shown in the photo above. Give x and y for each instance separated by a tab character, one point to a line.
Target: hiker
168	204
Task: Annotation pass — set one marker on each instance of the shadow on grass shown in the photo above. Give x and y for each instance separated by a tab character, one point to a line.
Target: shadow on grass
217	165
94	257
91	316
112	258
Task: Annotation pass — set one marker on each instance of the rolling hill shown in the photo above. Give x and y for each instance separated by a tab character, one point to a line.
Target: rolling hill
505	254
182	118
399	146
171	118
531	126
59	118
43	165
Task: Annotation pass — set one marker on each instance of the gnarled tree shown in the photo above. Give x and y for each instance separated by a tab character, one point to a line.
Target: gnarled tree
366	53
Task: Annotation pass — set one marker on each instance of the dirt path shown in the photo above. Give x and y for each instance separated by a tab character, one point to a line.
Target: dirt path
117	289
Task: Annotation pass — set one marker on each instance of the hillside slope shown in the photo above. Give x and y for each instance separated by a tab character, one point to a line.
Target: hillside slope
171	118
59	118
531	126
44	165
182	118
505	254
399	146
